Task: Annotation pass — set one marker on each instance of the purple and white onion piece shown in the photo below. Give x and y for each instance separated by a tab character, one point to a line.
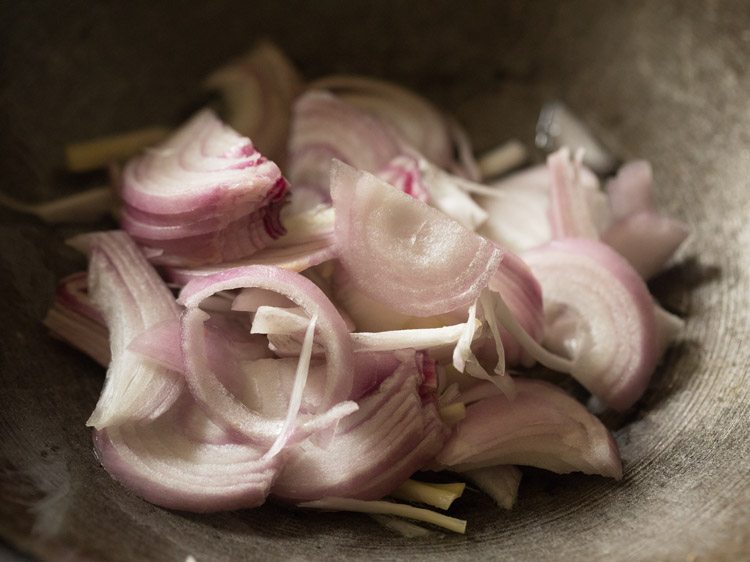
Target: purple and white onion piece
165	464
74	319
423	180
205	385
131	298
517	207
252	299
612	338
161	343
205	195
370	315
569	212
404	174
296	258
205	170
647	240
499	482
419	124
542	427
521	292
258	90
326	128
448	193
390	244
631	190
371	452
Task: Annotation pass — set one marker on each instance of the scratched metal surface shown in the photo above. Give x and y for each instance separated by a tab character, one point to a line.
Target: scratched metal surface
664	80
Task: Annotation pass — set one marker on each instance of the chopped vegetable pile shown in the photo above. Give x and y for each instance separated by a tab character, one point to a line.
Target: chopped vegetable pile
325	293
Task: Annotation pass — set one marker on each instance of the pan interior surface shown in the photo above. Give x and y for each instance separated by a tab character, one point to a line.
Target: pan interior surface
666	81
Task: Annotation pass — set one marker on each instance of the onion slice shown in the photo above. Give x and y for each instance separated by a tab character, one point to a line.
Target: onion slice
293	258
542	427
612	339
392	244
325	127
205	385
167	465
418	123
374	450
132	298
423	180
499	482
258	90
568	209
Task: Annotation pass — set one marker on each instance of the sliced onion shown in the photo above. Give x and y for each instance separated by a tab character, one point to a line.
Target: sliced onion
325	128
206	195
74	308
372	316
668	327
74	319
131	298
647	240
521	292
464	359
253	299
568	209
542	427
638	232
436	495
204	168
204	384
517	207
502	159
404	174
631	192
258	90
425	182
613	341
420	124
499	482
164	463
372	451
391	244
293	258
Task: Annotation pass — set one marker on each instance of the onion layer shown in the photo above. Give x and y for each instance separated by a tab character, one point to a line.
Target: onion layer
208	389
372	451
204	196
404	254
601	314
168	465
132	298
542	427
